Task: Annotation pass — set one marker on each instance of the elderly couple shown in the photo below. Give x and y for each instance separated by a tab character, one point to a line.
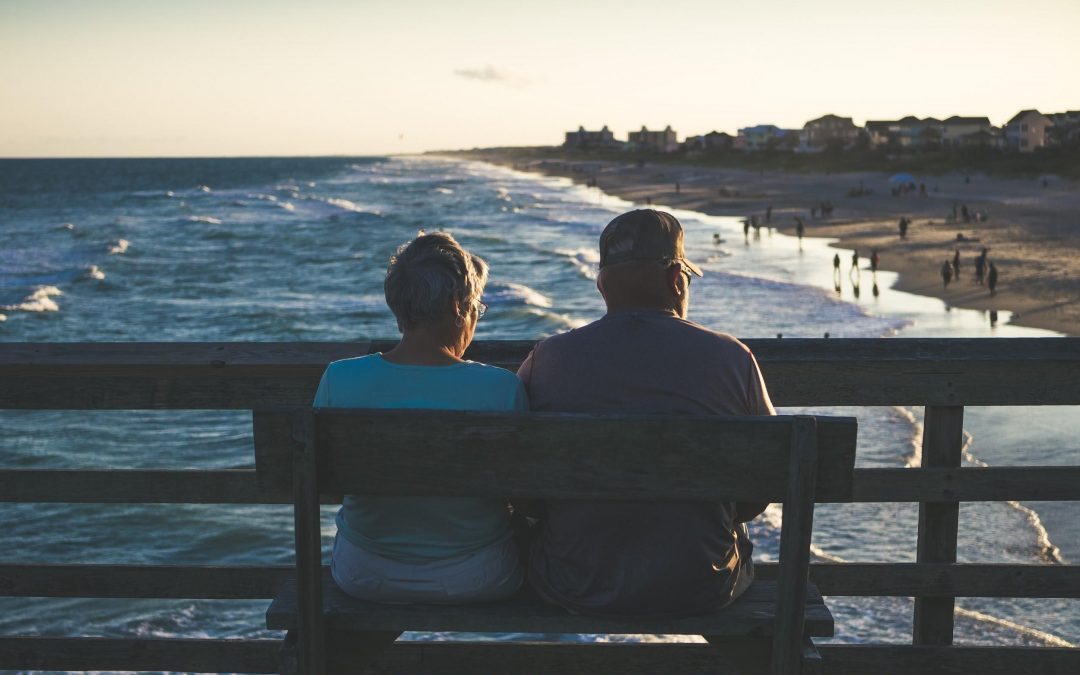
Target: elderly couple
643	356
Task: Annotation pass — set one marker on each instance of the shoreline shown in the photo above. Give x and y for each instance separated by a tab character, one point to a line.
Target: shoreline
1032	232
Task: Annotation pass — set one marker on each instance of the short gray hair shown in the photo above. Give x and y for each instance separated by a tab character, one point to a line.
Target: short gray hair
428	276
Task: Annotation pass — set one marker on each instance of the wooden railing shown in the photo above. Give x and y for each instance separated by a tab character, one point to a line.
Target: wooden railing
942	374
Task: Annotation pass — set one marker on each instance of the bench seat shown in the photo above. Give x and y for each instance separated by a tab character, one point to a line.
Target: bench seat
752	614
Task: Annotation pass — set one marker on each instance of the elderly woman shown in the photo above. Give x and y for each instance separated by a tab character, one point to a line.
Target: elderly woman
437	549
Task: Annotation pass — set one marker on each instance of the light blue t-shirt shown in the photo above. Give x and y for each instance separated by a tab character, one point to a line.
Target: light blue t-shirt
415	529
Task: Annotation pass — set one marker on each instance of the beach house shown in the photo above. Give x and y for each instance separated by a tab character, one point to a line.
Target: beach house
767	137
1026	131
828	131
1066	129
960	131
654	141
881	132
585	140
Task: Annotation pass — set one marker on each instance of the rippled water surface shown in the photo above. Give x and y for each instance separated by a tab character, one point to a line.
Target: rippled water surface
295	249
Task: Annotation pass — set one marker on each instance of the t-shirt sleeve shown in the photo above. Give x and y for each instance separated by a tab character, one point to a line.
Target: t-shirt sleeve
322	394
757	396
521	399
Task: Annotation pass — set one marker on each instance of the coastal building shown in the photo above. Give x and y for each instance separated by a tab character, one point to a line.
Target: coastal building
1026	131
584	140
767	137
1066	129
828	131
712	142
654	141
960	131
881	132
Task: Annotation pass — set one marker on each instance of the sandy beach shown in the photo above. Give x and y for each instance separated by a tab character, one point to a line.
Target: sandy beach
1032	231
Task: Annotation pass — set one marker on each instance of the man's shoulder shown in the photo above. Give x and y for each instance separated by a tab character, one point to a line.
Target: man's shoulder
708	336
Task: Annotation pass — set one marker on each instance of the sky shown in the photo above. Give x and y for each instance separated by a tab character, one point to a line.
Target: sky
372	77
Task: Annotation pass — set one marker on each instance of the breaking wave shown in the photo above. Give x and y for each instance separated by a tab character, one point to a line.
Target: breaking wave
41	300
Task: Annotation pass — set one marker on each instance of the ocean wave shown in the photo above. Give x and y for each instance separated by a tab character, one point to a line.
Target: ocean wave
511	293
67	226
208	220
3	318
41	300
586	260
120	246
203	188
444	191
343	204
95	273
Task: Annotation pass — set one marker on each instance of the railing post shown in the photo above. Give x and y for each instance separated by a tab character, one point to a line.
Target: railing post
943	443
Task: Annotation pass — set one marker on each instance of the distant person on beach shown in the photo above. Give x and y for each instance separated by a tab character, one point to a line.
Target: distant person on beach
746	229
437	549
659	558
836	272
992	279
903	226
980	266
854	261
800	228
956	264
768	213
946	273
874	259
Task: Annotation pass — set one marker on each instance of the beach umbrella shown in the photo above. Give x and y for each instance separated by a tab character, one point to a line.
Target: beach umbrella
902	178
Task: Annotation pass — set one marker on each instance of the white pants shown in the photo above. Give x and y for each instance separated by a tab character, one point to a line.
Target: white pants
492	573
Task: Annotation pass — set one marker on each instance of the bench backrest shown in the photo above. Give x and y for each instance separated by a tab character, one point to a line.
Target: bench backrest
551	455
557	456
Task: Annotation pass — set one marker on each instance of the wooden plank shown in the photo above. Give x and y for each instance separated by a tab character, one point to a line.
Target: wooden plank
143	581
243	581
799	372
429	658
25	652
943	443
307	528
798	523
752	613
570	456
928	660
968	484
131	486
939	579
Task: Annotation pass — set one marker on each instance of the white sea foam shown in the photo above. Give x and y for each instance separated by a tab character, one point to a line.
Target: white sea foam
120	246
286	206
444	191
511	293
209	220
3	318
502	194
68	226
170	193
343	204
586	260
203	188
41	300
95	272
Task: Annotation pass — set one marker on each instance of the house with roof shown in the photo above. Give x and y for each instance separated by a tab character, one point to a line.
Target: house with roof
654	141
828	131
1027	131
1066	129
718	141
959	131
767	137
881	132
585	140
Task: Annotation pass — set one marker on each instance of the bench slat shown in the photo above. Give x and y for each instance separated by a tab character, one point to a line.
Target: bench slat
752	614
600	456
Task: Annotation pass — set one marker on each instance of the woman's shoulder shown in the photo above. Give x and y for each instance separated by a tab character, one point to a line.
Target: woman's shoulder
354	365
487	373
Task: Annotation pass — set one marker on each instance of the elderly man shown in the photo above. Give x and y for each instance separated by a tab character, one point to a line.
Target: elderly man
643	356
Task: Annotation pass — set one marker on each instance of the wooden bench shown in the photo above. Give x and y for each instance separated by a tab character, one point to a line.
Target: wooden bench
326	453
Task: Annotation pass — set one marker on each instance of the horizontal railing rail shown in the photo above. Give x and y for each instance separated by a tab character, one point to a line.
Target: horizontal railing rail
800	372
942	374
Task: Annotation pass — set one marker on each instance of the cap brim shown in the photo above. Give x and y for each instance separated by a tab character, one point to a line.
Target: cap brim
692	267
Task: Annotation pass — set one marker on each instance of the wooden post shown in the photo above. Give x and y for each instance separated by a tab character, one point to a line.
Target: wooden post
795	534
308	530
943	442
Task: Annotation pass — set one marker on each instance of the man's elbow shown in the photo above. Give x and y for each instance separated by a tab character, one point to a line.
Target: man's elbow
747	511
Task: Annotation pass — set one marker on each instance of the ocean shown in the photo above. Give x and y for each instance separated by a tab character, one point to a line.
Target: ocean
294	249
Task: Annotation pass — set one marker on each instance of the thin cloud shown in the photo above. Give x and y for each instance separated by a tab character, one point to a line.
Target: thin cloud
491	74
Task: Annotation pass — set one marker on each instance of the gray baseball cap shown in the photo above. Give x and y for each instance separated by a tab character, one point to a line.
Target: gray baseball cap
644	234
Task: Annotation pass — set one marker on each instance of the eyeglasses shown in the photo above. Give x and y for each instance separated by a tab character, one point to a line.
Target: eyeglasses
481	309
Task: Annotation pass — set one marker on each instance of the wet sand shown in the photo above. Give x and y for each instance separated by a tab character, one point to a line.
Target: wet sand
1032	232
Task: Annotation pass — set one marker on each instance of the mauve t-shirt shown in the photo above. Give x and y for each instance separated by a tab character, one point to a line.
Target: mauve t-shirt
635	558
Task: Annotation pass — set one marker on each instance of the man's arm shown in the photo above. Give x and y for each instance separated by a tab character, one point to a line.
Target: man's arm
758	403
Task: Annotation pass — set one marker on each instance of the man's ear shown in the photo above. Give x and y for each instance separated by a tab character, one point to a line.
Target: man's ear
673	277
